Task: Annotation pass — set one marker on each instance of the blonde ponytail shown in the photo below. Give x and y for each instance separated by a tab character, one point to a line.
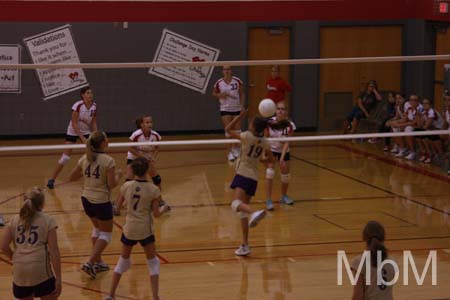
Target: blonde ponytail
34	201
93	145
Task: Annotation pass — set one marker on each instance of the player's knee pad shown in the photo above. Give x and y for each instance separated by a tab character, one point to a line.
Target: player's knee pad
156	179
95	232
243	215
153	266
122	265
235	204
270	173
64	159
285	178
106	236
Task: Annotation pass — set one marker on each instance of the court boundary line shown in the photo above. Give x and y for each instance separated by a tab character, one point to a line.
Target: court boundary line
369	184
394	162
268	246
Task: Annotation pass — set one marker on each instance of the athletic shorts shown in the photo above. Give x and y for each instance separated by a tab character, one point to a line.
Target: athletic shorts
247	184
39	290
148	240
229	113
287	156
101	211
74	138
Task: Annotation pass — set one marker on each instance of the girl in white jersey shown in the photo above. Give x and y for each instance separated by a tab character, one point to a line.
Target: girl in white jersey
281	153
230	93
253	146
142	198
100	177
33	234
144	133
408	122
83	122
373	235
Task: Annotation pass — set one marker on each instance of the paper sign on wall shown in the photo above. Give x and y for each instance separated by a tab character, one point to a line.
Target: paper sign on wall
56	47
177	48
10	79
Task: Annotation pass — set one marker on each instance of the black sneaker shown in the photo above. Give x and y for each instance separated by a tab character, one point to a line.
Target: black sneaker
101	267
89	269
51	184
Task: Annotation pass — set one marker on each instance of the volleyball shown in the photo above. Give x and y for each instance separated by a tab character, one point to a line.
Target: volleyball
267	108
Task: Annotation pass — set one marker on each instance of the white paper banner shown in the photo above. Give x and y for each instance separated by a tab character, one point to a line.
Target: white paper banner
55	47
10	78
177	48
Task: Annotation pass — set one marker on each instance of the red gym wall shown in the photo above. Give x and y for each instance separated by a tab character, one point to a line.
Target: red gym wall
63	11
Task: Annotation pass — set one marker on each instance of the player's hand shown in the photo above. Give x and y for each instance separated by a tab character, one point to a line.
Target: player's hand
119	173
282	162
58	288
243	112
83	139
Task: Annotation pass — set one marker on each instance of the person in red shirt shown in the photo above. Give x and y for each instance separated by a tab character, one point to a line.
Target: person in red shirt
277	86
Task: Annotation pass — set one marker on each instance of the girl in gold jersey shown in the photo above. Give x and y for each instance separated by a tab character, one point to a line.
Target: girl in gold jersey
254	148
373	235
36	258
142	199
100	177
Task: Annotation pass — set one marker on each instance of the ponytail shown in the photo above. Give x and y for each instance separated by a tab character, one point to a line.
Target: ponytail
33	203
373	235
375	246
93	145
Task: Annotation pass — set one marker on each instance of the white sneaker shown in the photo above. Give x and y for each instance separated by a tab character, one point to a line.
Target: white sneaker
422	158
236	151
411	156
243	250
231	157
427	160
401	153
256	217
394	149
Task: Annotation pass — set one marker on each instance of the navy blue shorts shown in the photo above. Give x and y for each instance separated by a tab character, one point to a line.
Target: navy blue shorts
356	113
102	211
144	242
42	289
229	113
287	156
74	138
247	184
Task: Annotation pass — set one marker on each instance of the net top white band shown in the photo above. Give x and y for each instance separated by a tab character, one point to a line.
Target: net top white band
228	141
311	61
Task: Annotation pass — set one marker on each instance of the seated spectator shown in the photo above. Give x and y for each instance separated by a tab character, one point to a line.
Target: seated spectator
430	120
407	124
399	114
366	102
389	115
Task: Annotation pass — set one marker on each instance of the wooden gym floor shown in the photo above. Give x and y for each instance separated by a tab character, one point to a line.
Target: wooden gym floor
337	188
